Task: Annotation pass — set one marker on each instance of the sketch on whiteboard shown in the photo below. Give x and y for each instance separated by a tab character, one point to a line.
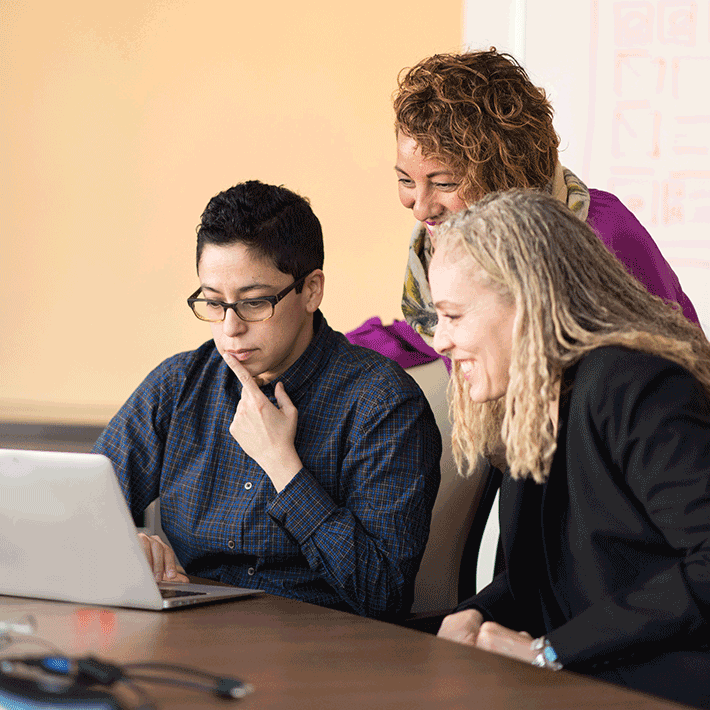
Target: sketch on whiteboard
629	82
650	65
659	137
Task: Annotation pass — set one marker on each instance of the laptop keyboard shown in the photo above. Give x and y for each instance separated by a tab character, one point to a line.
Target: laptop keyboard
173	593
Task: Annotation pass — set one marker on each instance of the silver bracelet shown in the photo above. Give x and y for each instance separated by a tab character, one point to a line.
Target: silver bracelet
545	656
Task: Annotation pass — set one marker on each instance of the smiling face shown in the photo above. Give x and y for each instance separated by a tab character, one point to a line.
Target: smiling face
266	349
428	188
475	325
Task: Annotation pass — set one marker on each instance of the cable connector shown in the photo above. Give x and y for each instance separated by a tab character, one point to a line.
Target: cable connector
85	671
230	688
90	670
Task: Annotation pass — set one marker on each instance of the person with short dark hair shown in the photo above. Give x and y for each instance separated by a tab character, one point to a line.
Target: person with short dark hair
285	458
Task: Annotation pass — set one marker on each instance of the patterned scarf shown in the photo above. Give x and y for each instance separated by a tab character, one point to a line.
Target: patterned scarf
416	298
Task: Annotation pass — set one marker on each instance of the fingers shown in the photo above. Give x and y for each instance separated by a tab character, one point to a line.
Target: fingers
241	372
161	559
469	628
462	627
489	634
250	385
506	642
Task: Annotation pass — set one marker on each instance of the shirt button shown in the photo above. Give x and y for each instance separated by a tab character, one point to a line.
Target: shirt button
230	544
251	571
247	485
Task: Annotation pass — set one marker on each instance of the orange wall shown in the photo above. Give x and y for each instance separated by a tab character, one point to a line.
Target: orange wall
121	120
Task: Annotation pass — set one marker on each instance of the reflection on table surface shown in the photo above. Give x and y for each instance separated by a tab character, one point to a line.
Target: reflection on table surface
298	655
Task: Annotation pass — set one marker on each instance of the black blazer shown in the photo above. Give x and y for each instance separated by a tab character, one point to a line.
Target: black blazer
611	556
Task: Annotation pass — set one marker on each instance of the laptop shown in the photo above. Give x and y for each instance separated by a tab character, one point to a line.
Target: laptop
66	534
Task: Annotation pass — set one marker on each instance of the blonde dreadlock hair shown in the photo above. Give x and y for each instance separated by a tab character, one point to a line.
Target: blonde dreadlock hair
571	296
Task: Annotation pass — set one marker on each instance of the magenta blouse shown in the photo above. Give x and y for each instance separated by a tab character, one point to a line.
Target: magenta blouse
617	227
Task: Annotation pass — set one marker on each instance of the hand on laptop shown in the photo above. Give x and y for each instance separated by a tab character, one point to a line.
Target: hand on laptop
265	432
161	559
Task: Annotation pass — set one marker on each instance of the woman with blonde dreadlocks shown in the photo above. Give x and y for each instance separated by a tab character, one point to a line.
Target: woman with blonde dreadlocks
599	395
469	124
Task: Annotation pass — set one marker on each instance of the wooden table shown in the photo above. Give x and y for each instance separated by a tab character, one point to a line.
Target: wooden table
298	655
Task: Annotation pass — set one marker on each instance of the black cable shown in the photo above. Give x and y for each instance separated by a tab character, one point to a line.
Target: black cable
146	703
172	681
89	670
172	667
224	687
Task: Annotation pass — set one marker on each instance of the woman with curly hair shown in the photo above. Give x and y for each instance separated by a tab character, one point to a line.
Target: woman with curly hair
470	124
598	393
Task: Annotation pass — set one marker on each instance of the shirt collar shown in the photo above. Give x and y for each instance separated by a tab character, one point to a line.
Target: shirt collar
299	375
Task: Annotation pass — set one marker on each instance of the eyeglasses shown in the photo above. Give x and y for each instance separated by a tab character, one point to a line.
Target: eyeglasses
251	310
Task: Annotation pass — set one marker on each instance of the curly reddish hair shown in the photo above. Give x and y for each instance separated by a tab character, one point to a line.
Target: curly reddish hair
479	114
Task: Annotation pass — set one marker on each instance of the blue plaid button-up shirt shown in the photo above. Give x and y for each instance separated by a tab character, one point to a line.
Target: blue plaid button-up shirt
347	532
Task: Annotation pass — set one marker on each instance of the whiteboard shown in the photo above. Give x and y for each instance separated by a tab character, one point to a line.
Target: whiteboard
630	84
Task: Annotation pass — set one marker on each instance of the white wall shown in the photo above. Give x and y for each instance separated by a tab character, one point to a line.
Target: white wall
628	80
